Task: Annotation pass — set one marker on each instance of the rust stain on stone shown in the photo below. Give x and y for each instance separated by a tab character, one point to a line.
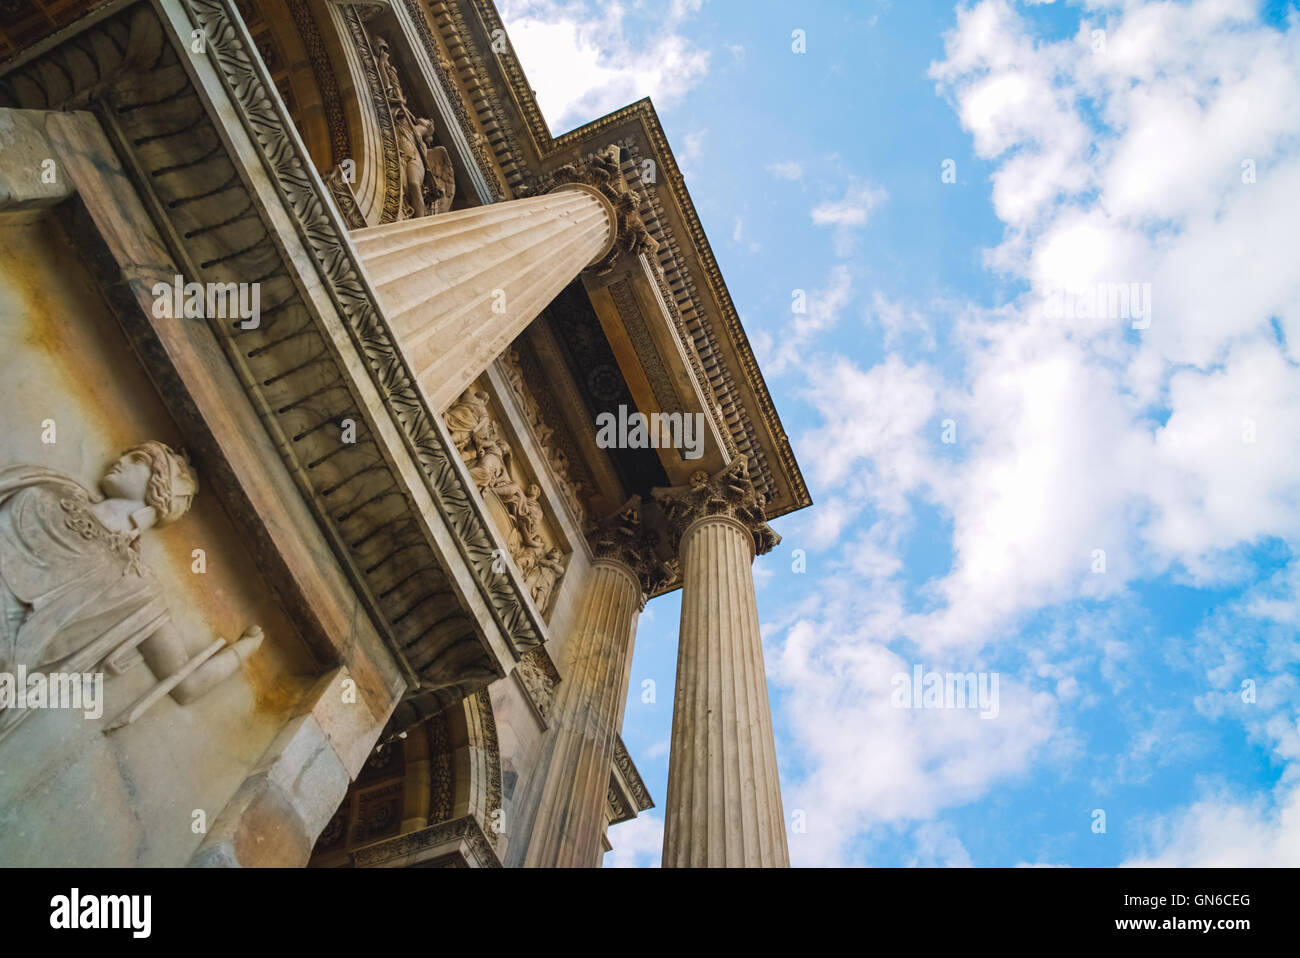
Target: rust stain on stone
65	319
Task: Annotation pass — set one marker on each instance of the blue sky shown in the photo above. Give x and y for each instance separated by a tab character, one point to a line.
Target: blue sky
1113	527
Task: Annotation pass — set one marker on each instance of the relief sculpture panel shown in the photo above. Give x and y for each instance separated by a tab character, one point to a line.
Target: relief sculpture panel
503	482
75	595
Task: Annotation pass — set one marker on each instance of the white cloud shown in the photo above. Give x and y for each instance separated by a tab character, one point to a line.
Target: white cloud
1073	434
787	170
811	312
637	843
850	212
741	238
1226	831
579	60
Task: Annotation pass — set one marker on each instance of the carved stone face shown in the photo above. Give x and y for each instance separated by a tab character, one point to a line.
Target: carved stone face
127	478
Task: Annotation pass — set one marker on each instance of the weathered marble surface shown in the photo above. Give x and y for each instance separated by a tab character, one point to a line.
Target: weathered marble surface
70	795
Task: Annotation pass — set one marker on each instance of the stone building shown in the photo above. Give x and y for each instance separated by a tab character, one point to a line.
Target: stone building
310	327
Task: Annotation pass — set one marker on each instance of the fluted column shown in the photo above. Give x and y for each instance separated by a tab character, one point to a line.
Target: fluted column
575	777
457	288
724	793
572	778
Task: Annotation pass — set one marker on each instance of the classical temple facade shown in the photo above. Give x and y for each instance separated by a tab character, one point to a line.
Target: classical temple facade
308	327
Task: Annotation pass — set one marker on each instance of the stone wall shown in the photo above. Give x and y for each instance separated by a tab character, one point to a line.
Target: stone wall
69	793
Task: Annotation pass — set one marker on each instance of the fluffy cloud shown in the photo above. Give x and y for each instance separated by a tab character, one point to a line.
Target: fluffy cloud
812	312
637	843
1225	831
1158	146
578	58
848	213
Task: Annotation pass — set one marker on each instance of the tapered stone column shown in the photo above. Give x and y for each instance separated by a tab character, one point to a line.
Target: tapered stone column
572	778
457	288
724	793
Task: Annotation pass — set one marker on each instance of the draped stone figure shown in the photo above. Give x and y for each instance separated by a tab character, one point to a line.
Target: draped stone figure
428	179
467	419
545	571
75	595
529	517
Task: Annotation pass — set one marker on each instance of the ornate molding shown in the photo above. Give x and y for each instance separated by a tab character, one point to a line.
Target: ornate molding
458	844
631	777
511	365
728	493
481	704
345	199
540	678
623	538
617	807
603	172
391	210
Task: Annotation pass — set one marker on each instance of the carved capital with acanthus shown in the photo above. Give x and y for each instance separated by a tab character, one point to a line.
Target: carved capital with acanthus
623	538
728	493
603	173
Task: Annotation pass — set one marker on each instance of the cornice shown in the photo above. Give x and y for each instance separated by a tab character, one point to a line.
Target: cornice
592	136
631	777
363	495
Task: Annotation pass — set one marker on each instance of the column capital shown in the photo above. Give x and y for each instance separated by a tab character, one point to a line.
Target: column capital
604	173
624	539
727	494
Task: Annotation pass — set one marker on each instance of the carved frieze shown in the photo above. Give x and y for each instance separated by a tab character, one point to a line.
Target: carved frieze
561	465
540	678
498	474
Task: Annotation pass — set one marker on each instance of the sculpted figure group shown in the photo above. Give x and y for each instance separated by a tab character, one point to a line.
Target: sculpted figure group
488	455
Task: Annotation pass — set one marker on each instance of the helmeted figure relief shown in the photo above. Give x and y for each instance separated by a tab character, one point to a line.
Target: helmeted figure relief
75	595
428	178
